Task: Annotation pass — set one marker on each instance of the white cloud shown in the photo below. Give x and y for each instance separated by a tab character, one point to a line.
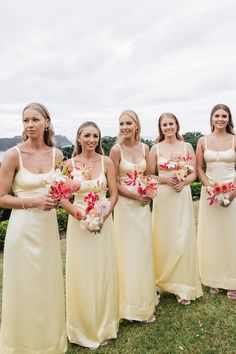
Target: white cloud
92	60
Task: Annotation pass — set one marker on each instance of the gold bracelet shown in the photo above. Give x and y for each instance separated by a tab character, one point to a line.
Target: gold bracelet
22	204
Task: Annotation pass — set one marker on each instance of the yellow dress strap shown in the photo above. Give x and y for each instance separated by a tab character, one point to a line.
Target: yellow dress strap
143	146
72	162
121	153
20	157
157	150
102	164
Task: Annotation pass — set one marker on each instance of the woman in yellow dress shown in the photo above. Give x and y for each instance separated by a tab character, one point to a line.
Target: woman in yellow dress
33	313
91	264
133	225
174	234
217	223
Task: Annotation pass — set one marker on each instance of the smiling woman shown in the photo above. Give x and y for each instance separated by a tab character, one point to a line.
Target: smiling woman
132	219
31	322
91	268
174	240
216	239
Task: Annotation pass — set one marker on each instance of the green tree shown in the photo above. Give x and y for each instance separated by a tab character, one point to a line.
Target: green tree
148	142
107	143
67	151
192	138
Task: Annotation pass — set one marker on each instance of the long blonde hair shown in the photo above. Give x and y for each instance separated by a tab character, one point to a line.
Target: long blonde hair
48	132
78	149
135	118
161	136
230	125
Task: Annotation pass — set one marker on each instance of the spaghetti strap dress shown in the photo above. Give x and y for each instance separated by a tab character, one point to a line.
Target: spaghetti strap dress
33	312
217	225
174	239
134	246
91	276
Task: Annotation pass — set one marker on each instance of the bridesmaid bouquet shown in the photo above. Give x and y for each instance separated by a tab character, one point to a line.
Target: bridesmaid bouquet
97	207
219	193
179	165
60	183
146	186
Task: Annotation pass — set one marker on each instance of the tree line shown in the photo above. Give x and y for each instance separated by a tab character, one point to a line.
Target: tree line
108	142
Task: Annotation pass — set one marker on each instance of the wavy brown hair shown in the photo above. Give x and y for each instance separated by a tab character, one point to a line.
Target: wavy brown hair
161	136
77	149
49	132
230	125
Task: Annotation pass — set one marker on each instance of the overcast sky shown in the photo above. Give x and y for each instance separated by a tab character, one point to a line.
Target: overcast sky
90	60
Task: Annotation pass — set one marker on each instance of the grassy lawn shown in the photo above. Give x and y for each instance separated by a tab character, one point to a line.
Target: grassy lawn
205	327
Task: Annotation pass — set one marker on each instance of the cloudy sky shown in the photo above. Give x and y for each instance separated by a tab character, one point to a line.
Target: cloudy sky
90	60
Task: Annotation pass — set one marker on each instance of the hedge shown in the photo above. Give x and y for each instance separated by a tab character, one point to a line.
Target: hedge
3	229
62	217
196	190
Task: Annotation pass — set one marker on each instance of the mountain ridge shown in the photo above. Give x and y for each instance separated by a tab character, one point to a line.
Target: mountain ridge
7	143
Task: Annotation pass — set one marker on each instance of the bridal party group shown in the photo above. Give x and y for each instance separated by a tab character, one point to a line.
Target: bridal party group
121	255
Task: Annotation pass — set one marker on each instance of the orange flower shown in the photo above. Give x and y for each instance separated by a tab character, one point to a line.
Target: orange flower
224	187
217	189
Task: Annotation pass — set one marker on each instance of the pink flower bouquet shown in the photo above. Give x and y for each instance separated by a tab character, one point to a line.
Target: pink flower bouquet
97	207
146	186
179	165
60	183
219	193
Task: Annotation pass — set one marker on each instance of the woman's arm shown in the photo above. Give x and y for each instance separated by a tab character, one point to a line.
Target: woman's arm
66	204
153	160
111	181
233	194
200	162
115	155
147	158
9	168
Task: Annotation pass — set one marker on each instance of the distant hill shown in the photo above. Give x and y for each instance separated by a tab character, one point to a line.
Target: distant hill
7	143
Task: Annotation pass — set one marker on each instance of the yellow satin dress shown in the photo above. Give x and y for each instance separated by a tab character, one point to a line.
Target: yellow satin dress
91	277
134	246
174	240
217	225
33	312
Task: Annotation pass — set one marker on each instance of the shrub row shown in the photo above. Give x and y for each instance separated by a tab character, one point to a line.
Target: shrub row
196	190
62	215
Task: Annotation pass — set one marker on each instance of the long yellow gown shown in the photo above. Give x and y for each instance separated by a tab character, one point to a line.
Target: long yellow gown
174	240
134	245
33	312
91	277
217	225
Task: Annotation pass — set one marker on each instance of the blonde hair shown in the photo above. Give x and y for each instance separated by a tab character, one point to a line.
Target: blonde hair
230	125
48	132
78	149
135	118
161	136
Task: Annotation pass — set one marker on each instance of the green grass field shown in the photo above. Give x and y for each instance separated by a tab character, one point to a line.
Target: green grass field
206	326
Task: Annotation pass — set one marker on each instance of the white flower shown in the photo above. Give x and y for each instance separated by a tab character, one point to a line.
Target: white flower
94	224
226	202
102	207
